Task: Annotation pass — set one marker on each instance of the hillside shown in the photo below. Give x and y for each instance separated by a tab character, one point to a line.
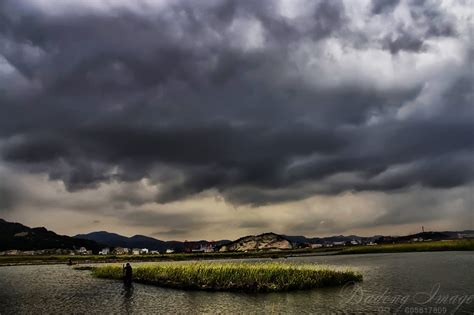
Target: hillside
116	240
258	242
141	241
136	241
18	236
106	238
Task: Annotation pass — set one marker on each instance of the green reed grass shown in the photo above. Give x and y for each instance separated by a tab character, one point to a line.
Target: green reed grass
235	276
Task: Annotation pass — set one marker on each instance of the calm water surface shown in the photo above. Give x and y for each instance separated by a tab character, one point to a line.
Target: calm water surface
428	283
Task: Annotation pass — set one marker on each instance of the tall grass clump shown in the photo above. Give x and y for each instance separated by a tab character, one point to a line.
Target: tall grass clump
230	276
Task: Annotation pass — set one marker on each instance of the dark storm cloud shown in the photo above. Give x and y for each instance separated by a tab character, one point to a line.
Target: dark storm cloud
427	19
383	6
403	42
202	96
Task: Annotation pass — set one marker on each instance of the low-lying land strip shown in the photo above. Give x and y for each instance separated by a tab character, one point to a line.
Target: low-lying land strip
234	276
88	259
448	245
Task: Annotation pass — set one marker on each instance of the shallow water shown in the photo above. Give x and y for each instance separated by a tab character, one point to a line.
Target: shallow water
402	283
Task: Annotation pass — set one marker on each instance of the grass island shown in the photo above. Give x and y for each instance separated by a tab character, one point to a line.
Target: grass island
234	276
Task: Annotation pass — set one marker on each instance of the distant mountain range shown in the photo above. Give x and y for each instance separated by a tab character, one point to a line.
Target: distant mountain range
141	241
18	236
253	242
136	241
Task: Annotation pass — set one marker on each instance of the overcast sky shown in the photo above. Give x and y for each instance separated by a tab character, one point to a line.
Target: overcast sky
216	119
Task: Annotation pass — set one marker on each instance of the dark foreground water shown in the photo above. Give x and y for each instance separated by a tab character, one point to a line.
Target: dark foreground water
417	283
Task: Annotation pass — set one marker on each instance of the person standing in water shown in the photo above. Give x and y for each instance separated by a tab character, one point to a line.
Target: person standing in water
127	274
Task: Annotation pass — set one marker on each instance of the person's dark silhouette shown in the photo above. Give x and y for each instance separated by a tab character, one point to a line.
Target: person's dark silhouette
127	274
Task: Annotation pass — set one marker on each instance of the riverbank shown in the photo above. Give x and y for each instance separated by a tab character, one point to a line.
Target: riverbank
427	246
448	245
91	259
234	276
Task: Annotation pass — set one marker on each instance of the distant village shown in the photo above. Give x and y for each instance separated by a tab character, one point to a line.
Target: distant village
190	247
211	247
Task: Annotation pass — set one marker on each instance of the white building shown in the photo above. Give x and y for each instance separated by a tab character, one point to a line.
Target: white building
136	251
82	251
154	252
316	245
169	251
104	251
144	251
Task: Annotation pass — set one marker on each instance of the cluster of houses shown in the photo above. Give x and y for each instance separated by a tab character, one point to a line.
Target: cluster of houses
189	247
200	247
54	251
131	251
342	243
84	251
466	235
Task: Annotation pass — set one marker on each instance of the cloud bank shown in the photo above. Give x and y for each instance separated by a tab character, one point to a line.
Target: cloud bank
260	103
